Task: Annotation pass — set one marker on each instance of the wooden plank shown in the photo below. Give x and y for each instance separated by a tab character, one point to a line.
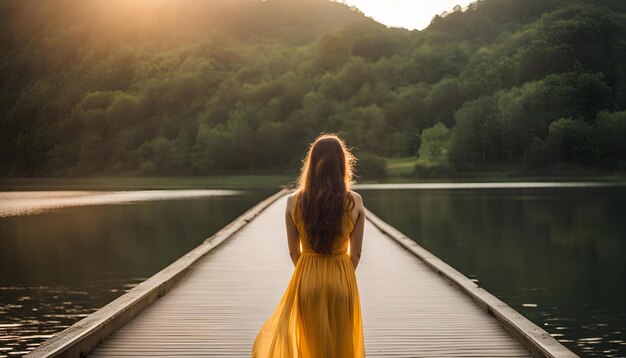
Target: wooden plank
219	306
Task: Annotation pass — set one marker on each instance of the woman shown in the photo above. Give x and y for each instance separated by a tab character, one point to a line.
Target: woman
319	314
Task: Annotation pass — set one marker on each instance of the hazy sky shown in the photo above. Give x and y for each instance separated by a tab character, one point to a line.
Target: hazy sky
411	14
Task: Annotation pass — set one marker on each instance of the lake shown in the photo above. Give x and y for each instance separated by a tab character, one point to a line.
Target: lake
555	254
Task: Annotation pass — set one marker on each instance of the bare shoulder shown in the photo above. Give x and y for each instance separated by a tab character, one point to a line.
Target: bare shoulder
290	199
356	195
358	200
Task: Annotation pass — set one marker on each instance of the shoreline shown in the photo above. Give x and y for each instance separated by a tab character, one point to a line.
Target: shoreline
242	181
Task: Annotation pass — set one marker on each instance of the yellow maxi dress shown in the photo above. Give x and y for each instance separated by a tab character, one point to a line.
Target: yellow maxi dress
319	315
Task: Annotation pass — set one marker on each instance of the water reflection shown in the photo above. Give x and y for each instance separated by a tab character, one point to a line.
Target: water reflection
43	311
60	266
15	203
557	255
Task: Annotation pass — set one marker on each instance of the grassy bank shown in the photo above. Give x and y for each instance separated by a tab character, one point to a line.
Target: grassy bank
399	170
402	170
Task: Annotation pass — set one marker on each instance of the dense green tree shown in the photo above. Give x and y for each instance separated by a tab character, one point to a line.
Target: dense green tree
475	138
434	147
573	140
611	132
157	88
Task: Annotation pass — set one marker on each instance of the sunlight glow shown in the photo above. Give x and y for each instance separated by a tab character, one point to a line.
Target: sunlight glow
410	14
16	203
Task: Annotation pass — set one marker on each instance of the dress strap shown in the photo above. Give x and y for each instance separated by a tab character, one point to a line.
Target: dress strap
295	206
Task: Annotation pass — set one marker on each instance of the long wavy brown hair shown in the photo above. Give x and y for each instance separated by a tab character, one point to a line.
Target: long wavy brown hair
323	188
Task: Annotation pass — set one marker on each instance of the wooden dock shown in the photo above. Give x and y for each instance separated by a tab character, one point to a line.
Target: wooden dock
213	301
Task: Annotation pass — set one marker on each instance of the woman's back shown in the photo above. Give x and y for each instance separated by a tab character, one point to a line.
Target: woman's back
320	312
341	244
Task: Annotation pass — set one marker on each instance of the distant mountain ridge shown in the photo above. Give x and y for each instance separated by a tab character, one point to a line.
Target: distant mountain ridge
163	87
188	20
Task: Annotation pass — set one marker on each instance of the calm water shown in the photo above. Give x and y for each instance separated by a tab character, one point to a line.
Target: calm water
557	255
58	266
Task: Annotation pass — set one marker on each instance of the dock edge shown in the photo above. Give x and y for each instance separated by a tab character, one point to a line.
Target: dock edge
532	337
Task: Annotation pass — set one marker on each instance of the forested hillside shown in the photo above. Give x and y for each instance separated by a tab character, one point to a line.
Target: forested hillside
167	87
